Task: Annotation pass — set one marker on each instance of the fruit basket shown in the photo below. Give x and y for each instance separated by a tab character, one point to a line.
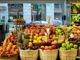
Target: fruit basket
48	54
68	55
28	54
9	58
68	51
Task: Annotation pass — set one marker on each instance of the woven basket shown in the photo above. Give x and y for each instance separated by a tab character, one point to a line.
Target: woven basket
48	54
68	54
28	54
9	58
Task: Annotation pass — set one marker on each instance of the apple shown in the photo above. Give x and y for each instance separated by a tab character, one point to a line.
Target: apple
50	47
72	48
68	47
61	48
46	47
43	43
53	46
30	45
51	36
42	47
54	42
49	42
75	46
67	42
71	45
64	45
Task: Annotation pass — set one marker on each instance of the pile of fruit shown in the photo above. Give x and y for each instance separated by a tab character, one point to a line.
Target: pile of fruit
8	50
35	35
75	34
41	36
68	46
60	35
49	45
9	47
12	38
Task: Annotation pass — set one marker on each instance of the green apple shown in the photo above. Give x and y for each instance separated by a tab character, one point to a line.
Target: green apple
72	48
67	42
71	45
63	45
68	47
75	46
61	48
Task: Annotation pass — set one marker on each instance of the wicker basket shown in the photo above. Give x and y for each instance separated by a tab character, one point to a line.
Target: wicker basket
68	54
9	58
28	54
48	54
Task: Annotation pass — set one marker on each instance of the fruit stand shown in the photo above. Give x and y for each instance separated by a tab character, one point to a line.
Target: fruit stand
31	40
42	42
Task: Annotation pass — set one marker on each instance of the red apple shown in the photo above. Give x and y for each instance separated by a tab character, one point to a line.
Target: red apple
49	41
43	43
53	46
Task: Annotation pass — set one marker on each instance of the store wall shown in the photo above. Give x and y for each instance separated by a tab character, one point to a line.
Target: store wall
27	12
50	12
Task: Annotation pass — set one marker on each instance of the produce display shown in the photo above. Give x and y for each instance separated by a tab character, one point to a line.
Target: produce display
8	48
41	37
75	34
50	46
36	36
68	51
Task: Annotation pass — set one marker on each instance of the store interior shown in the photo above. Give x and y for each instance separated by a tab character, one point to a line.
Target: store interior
40	29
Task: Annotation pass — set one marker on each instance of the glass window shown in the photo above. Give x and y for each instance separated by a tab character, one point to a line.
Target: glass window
38	12
15	10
